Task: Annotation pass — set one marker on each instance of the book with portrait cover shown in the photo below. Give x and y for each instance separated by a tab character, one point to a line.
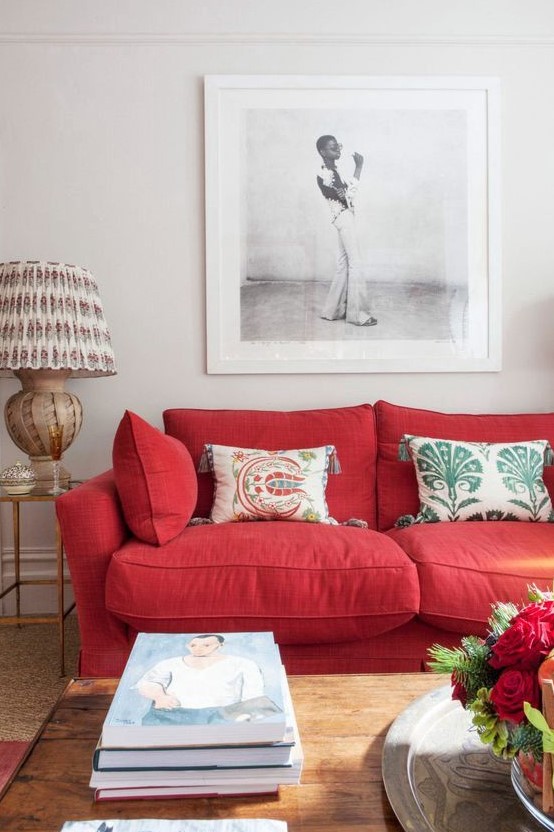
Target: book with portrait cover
220	779
194	757
201	689
158	825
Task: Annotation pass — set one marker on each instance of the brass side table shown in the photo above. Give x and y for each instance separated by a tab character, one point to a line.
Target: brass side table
37	495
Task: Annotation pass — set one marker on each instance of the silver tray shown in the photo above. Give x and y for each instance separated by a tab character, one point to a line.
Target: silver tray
439	777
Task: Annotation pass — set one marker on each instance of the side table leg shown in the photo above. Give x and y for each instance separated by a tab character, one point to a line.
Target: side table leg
16	551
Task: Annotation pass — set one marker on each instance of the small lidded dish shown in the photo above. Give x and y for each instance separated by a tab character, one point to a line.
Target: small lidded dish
18	479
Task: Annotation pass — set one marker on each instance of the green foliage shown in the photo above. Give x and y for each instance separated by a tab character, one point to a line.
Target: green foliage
492	731
467	664
525	737
501	617
537	596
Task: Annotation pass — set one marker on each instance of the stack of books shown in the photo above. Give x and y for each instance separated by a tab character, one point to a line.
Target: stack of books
199	715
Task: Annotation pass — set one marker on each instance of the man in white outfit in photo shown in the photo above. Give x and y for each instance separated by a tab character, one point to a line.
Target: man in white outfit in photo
348	295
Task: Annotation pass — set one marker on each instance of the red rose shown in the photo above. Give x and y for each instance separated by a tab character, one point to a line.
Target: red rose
512	689
528	639
538	612
458	691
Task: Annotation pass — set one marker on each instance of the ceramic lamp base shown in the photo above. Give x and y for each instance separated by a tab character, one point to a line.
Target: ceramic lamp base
42	402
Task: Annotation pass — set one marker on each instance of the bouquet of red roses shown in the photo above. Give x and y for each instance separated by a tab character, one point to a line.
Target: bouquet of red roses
494	677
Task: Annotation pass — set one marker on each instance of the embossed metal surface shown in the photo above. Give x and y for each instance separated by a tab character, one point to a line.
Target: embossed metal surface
439	777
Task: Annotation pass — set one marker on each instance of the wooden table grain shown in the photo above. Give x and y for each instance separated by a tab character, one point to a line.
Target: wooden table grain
343	721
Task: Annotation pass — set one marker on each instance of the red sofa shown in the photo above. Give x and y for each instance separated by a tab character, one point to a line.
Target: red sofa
339	599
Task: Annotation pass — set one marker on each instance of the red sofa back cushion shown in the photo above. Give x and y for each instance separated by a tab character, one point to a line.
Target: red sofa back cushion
396	481
350	429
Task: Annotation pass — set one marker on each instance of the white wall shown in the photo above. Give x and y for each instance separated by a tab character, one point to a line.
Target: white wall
101	163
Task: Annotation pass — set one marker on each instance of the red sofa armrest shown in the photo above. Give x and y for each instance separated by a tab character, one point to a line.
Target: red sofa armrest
93	527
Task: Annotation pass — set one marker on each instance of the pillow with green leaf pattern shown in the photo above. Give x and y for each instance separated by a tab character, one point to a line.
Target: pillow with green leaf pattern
478	480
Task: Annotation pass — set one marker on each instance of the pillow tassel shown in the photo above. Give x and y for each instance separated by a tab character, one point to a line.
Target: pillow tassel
353	521
405	521
204	462
334	464
200	521
403	452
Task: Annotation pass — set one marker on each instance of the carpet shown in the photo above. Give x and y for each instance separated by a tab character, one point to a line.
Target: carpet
30	684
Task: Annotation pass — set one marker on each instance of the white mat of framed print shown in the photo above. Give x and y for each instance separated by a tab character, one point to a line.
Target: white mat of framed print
392	216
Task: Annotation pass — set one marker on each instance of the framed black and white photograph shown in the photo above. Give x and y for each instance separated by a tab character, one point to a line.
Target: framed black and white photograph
352	224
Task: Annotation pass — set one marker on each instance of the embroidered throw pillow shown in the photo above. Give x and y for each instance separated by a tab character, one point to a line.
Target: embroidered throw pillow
252	484
479	480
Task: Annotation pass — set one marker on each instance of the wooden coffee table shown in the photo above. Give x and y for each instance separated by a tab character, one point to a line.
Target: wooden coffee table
342	721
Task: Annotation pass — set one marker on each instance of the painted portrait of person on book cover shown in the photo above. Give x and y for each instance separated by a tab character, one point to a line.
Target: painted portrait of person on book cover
205	685
200	679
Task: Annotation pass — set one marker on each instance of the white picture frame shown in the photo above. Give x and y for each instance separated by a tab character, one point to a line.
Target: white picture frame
427	215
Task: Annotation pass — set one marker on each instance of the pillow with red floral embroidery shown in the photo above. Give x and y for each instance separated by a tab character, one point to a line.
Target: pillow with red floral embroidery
254	484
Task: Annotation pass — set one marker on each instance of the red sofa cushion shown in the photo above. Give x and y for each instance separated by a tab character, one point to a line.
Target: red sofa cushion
396	480
309	583
155	479
350	429
461	572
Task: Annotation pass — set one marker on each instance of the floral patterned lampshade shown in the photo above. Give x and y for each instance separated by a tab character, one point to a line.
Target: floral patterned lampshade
52	327
51	317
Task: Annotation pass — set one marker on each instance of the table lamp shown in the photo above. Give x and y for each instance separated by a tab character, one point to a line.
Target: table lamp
52	327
